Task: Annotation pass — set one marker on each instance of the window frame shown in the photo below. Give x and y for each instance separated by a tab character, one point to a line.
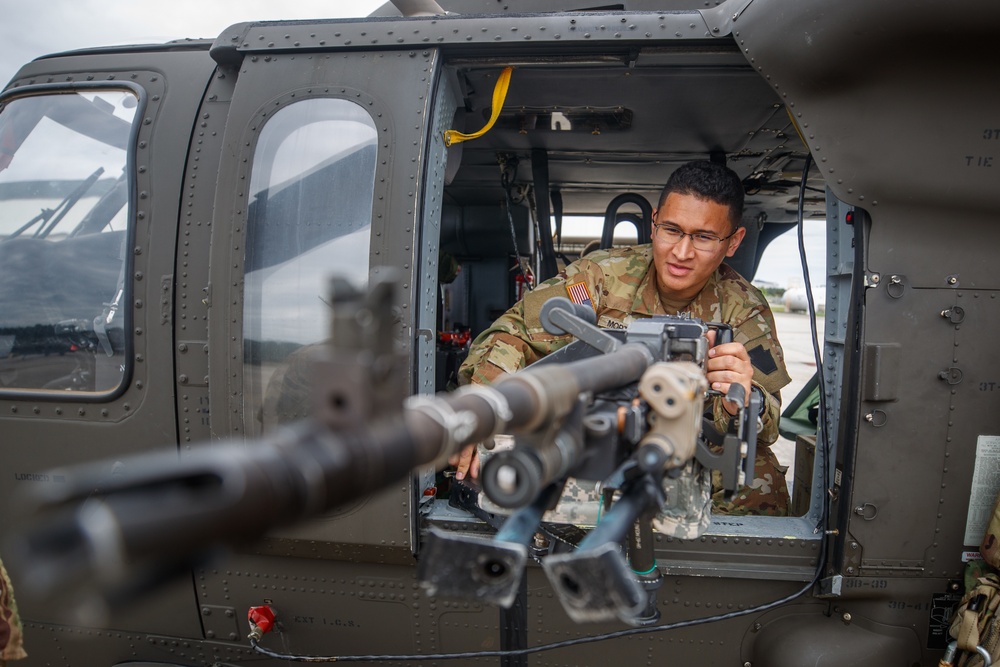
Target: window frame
254	389
131	222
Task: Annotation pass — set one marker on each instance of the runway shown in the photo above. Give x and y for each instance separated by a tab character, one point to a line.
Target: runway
794	334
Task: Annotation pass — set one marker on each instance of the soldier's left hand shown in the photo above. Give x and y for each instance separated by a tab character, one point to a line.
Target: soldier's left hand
727	364
466	461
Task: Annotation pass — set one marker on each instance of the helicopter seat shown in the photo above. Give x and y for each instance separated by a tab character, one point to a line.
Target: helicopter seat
643	222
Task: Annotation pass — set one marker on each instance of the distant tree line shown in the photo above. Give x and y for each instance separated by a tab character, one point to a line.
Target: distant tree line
256	352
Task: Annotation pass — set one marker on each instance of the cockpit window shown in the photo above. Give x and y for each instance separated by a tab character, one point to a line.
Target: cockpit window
309	217
64	194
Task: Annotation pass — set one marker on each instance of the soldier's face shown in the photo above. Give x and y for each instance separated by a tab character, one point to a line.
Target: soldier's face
681	269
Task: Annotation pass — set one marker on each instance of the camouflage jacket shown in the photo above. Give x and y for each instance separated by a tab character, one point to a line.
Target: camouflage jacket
621	286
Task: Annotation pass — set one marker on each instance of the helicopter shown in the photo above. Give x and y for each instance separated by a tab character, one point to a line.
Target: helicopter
172	213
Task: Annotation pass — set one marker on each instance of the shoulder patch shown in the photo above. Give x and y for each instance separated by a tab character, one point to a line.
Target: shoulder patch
536	298
579	293
762	360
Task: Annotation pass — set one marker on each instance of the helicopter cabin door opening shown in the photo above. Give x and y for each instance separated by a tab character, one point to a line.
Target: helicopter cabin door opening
589	129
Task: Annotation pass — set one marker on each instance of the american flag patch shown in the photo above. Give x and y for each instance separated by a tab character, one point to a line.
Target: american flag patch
580	293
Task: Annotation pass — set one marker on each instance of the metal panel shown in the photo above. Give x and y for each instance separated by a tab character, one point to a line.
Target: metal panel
351	609
398	105
428	293
191	285
142	418
880	372
526	31
930	121
916	455
932	202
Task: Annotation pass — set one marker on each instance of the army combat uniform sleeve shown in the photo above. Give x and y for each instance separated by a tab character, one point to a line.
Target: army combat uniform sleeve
517	339
730	299
753	325
511	342
743	307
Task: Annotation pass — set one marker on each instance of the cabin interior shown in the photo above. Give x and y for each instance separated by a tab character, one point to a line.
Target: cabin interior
576	159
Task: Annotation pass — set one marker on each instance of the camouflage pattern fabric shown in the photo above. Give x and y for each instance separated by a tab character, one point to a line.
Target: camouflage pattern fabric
11	635
691	499
621	284
990	546
974	570
684	515
766	495
687	510
973	628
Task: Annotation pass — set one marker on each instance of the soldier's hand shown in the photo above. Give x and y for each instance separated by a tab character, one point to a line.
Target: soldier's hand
466	461
727	364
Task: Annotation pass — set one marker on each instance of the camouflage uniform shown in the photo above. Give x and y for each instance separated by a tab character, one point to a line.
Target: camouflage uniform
11	647
621	285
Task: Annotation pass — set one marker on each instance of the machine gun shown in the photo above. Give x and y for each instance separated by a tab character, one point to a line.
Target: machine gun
636	439
115	529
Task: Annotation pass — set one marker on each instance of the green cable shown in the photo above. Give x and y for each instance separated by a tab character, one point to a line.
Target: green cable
600	507
649	571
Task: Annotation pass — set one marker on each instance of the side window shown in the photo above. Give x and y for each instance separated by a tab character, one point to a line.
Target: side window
64	192
309	216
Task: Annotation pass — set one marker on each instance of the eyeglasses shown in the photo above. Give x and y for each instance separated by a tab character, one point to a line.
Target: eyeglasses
671	235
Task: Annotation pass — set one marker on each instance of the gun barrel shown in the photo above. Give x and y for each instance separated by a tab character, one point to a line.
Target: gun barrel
514	477
551	390
115	520
149	513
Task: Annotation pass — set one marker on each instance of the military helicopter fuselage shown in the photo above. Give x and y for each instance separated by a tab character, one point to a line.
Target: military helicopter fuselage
170	216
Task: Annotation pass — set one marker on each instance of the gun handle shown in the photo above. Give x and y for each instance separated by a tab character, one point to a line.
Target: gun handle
723	332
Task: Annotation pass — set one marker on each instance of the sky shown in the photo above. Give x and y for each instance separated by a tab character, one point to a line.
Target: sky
780	263
32	29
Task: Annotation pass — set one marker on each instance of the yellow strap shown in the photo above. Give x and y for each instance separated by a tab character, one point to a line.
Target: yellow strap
499	95
798	130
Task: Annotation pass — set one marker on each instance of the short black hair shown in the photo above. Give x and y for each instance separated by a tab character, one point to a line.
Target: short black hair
711	181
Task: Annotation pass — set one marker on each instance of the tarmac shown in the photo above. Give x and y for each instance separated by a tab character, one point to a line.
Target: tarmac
794	334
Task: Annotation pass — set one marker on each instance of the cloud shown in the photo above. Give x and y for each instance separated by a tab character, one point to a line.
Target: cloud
780	263
30	30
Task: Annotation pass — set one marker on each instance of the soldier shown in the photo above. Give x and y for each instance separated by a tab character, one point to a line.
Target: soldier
695	227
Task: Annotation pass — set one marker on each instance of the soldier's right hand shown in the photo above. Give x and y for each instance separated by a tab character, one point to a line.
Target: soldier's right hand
727	364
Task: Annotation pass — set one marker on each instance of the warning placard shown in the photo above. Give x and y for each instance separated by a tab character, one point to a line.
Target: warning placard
985	484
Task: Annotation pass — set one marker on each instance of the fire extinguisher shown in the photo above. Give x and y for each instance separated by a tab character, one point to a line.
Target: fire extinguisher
523	281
